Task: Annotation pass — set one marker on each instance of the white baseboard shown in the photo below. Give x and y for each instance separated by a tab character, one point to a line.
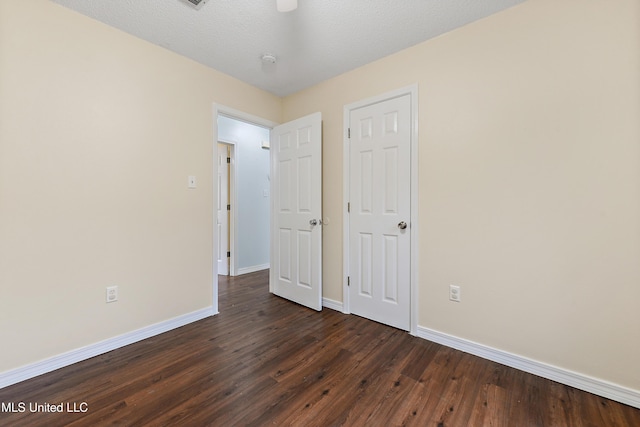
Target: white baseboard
583	382
26	372
252	269
333	305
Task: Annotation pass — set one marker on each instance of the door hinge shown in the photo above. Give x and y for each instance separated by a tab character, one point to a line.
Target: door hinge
349	133
348	206
348	281
228	254
228	207
228	159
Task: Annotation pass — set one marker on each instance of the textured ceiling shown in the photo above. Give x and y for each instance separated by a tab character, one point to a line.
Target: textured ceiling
319	40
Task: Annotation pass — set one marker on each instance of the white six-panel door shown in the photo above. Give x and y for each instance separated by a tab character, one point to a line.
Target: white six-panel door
380	212
296	230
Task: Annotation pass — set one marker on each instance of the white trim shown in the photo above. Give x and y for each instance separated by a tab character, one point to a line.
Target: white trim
574	379
332	304
233	201
273	192
346	197
230	260
412	91
243	117
65	359
252	269
415	202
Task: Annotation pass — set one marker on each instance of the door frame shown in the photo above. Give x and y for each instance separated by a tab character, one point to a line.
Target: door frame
233	201
222	110
412	91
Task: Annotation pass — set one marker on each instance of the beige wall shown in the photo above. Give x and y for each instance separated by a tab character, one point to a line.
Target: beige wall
529	173
98	133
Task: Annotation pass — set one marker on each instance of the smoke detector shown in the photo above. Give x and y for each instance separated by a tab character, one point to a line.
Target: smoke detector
197	4
268	58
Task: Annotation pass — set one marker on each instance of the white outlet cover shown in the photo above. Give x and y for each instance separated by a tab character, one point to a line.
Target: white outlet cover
454	293
191	181
112	294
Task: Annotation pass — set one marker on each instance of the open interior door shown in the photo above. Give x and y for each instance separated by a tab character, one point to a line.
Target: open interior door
296	211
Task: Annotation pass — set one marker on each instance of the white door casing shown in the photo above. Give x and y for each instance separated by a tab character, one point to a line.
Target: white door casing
379	192
296	211
222	219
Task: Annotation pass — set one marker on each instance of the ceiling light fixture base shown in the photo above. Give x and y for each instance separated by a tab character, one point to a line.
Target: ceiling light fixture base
286	5
196	4
268	58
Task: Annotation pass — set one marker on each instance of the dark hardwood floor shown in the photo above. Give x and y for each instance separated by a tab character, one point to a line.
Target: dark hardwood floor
264	361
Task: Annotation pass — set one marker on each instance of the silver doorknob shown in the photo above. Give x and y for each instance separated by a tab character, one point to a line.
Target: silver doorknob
402	225
313	222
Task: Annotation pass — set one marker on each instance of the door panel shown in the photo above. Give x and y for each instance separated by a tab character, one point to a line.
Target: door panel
284	255
390	268
296	177
380	189
305	241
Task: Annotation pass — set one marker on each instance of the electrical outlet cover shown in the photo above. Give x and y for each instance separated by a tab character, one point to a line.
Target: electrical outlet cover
112	293
454	293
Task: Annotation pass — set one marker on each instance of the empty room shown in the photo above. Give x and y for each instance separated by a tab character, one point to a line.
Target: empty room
449	218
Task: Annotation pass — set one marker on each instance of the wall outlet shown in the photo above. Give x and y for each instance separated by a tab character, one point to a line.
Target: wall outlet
454	293
112	294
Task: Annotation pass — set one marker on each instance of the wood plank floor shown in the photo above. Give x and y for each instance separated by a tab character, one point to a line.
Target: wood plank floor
264	361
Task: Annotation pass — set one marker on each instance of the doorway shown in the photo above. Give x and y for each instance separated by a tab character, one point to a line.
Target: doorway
307	131
380	188
235	268
249	195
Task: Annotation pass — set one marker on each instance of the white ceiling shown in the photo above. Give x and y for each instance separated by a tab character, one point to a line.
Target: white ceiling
319	40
